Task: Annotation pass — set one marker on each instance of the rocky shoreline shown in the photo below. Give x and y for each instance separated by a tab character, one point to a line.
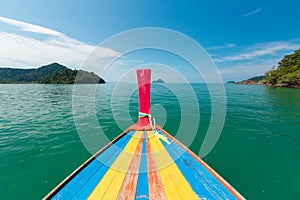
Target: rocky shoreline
251	82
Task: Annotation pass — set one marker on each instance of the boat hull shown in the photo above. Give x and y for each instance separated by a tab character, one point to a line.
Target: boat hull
139	164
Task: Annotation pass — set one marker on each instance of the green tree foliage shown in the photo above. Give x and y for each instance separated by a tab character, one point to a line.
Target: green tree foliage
287	72
50	74
257	78
66	76
11	75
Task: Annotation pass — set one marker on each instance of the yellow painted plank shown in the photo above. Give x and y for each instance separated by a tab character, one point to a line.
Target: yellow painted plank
111	183
175	185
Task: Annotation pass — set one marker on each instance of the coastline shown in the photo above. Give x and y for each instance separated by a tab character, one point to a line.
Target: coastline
281	85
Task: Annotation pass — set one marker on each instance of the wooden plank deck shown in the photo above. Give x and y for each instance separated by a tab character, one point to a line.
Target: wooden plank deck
140	165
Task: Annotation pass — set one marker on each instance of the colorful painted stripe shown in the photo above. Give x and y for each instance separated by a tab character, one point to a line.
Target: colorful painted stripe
175	185
142	186
156	188
110	184
128	189
140	165
202	182
210	172
84	182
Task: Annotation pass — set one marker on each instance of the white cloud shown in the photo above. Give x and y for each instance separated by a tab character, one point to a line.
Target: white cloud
20	51
254	60
17	50
228	45
262	49
247	70
29	27
252	12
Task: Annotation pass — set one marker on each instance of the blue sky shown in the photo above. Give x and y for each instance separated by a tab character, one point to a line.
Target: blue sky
244	38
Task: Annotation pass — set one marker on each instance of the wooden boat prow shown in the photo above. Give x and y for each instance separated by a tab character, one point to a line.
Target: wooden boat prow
144	162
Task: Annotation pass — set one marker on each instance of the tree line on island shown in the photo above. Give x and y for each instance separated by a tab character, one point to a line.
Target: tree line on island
286	74
49	74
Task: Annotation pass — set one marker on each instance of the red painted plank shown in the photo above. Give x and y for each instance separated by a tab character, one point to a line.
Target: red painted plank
128	189
156	189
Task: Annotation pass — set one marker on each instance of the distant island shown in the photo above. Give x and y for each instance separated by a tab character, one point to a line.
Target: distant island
286	74
158	81
49	74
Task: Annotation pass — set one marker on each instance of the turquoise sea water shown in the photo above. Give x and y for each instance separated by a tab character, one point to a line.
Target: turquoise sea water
258	152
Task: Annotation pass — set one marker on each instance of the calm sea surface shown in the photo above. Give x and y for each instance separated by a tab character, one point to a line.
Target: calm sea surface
258	151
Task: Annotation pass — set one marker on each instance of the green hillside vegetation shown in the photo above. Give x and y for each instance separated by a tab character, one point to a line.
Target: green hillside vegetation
11	75
253	80
69	76
257	78
287	73
50	74
66	76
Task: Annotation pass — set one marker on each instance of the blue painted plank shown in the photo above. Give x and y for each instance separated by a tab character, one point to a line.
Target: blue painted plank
142	184
85	181
112	153
204	184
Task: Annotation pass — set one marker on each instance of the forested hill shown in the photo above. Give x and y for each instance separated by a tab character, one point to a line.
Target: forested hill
49	74
287	73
